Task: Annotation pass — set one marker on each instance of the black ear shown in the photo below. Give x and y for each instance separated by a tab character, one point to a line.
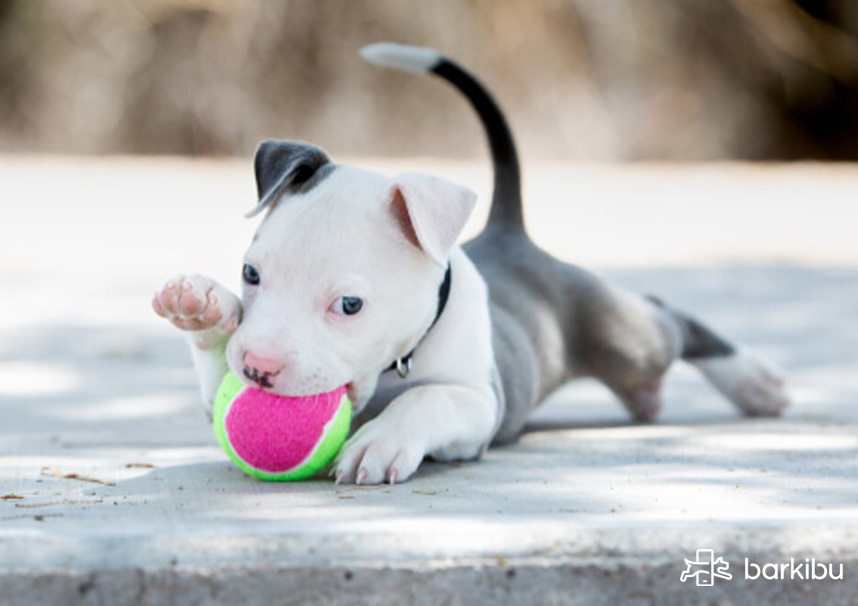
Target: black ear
285	166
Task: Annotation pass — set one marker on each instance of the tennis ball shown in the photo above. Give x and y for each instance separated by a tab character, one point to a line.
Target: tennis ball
280	437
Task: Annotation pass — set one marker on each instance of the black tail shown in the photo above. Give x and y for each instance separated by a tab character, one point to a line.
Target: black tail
506	210
698	341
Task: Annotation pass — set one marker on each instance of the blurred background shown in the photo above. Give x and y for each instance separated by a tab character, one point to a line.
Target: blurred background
580	79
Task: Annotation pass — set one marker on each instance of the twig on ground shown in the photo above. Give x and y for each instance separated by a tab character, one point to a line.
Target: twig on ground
50	471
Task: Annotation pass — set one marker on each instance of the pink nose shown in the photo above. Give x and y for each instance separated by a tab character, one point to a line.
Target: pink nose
260	369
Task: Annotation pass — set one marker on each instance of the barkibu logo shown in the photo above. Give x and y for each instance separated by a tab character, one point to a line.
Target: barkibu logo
808	570
705	568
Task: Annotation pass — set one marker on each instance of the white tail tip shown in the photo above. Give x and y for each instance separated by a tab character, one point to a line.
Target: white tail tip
399	56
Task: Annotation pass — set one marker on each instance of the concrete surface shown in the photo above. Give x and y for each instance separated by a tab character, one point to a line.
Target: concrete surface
586	509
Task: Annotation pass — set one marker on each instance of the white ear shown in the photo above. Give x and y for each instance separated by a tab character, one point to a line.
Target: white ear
431	212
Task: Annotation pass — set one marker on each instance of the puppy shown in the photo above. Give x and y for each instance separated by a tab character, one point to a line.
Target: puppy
355	279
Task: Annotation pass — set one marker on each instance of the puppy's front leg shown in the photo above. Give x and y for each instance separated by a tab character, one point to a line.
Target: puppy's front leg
447	422
208	314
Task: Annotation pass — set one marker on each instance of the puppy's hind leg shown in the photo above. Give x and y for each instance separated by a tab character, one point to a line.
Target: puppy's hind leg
749	381
627	343
644	401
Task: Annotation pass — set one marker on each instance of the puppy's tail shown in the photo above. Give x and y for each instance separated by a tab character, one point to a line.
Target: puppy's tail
506	200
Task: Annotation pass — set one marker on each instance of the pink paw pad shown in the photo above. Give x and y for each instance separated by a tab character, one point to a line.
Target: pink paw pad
191	304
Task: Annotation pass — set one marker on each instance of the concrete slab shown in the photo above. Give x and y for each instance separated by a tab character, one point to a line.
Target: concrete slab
587	508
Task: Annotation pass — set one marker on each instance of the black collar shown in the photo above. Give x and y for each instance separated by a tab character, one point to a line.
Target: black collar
403	365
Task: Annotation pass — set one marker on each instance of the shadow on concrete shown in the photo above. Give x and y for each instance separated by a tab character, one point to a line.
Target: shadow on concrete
96	399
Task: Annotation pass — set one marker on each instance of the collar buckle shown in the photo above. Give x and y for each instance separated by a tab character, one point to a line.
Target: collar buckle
403	366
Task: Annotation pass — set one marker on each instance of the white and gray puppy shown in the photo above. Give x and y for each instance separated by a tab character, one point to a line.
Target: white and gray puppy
354	278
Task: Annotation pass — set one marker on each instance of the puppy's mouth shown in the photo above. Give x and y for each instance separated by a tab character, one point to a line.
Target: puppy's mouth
265	382
272	376
261	380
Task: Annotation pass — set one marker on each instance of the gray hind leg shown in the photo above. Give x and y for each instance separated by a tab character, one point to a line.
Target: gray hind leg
627	343
749	381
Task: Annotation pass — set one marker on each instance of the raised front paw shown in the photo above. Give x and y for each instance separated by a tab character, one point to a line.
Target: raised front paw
197	303
373	456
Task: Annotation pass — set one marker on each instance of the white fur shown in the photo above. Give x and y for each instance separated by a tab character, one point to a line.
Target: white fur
398	56
196	300
747	380
345	237
446	407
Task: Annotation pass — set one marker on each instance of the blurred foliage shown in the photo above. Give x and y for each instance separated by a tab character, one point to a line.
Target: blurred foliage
606	79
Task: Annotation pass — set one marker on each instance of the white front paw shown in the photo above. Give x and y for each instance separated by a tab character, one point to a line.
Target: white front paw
375	454
201	305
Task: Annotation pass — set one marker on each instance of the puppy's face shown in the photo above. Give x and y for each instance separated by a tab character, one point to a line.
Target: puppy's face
342	276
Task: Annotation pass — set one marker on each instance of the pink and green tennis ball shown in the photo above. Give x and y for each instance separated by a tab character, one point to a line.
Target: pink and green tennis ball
280	437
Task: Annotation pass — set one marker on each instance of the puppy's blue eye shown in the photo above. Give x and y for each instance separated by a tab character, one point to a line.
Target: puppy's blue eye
351	305
347	306
250	275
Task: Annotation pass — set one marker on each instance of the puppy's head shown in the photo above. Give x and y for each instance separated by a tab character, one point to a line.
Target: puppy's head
342	276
